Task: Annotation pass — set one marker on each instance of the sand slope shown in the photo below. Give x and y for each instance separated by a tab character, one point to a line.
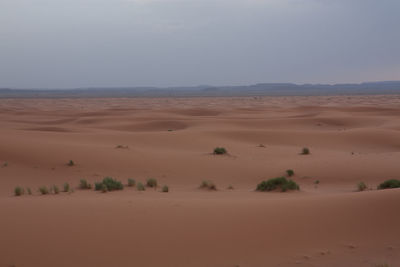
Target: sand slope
352	139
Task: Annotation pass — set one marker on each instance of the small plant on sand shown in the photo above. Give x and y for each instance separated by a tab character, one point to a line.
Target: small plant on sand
131	182
110	183
361	186
289	173
220	151
56	190
230	187
140	187
43	190
208	185
19	191
388	184
151	182
165	189
122	147
277	183
71	163
5	164
316	182
84	184
305	151
66	187
28	189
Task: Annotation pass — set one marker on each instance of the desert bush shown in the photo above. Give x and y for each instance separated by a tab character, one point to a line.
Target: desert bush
230	187
277	183
131	182
305	151
71	163
66	187
151	182
29	191
110	184
140	186
361	186
43	190
208	185
84	184
316	182
388	184
220	151
5	164
165	189
56	190
289	172
19	191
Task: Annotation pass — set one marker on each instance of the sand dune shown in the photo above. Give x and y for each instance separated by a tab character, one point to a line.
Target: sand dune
351	139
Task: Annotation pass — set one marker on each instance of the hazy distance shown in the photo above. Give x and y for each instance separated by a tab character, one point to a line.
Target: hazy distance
104	43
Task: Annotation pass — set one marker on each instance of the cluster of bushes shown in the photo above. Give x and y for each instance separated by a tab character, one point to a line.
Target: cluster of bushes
388	184
280	183
107	184
43	190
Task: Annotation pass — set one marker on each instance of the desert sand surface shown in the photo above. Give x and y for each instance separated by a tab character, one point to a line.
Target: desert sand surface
351	139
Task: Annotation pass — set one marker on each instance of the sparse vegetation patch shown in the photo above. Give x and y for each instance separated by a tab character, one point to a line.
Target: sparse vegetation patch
44	190
305	151
388	184
71	163
277	183
140	187
290	172
84	184
108	184
131	182
19	191
361	186
165	189
220	151
151	182
66	187
208	185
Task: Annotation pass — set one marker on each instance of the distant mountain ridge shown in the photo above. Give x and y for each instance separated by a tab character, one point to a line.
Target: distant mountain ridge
261	89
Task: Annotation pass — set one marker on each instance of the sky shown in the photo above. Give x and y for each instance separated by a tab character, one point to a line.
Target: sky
104	43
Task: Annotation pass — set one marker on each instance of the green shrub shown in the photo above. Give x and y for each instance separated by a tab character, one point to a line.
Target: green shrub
230	187
19	191
44	190
220	151
29	191
104	188
71	163
140	187
289	172
305	151
208	185
277	183
361	186
388	184
66	187
316	182
165	189
131	182
84	184
110	184
151	182
56	190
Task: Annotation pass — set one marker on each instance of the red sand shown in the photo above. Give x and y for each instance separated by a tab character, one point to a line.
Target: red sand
351	139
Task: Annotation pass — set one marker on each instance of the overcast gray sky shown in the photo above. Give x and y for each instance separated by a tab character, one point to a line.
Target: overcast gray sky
85	43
